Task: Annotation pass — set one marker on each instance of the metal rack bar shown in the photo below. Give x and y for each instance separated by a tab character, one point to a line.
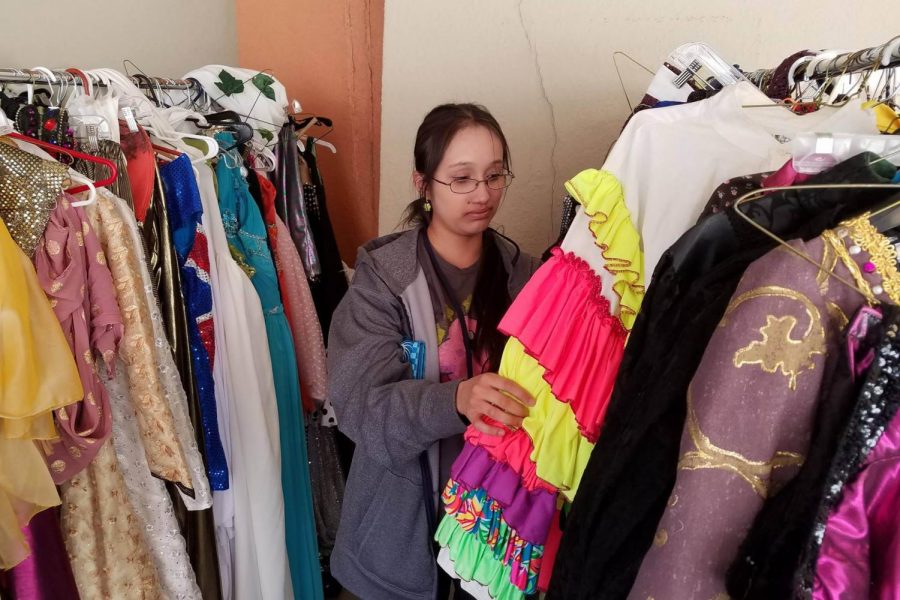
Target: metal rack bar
851	62
37	77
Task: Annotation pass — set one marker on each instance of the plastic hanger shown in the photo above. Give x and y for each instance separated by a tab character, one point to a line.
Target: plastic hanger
111	167
758	194
92	195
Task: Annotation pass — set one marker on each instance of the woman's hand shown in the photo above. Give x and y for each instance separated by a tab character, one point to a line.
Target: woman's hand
497	397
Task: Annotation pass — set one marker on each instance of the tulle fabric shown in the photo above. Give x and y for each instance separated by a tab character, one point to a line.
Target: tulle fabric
563	320
528	512
601	196
481	516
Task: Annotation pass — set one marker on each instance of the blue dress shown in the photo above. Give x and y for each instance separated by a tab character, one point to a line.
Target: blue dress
185	209
246	232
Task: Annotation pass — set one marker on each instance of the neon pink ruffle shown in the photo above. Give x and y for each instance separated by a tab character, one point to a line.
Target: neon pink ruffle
564	322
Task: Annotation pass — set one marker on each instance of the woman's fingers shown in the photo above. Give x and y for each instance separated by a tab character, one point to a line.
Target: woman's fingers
483	427
510	387
501	416
505	403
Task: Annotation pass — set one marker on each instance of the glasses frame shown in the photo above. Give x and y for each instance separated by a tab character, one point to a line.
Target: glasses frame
477	182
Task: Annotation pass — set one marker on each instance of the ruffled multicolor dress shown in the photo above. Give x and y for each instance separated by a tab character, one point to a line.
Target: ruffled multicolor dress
568	328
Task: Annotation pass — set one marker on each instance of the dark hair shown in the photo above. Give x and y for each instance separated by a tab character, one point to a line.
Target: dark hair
435	133
489	300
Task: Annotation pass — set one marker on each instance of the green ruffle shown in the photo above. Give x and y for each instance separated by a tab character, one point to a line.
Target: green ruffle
474	561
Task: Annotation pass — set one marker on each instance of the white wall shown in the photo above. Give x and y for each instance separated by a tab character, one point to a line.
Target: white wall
166	38
545	70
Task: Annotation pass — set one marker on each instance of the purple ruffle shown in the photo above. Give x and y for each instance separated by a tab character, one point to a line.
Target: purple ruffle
528	512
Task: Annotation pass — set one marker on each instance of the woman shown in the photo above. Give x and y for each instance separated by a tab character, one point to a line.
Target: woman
414	286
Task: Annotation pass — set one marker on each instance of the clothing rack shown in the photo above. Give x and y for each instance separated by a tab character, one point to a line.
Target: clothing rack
885	56
41	77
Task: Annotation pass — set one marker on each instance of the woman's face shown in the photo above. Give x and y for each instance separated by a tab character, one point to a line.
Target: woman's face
475	152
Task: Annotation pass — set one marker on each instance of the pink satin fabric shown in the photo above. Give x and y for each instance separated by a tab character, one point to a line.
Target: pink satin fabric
71	268
513	448
564	322
860	553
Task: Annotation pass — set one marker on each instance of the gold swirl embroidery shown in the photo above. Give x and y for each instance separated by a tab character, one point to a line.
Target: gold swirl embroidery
837	244
778	351
837	314
709	456
881	253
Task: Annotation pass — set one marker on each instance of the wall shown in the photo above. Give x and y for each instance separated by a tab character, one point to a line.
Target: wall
545	70
328	55
164	37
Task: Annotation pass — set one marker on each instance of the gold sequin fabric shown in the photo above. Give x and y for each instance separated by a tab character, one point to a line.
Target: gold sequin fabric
155	421
29	187
104	537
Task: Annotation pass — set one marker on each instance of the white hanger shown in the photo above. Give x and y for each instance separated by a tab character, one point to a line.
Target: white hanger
889	49
328	145
92	189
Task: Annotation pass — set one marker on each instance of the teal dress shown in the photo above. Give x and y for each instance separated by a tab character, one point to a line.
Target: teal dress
246	233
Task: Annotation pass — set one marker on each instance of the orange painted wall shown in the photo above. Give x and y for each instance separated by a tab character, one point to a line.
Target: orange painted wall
328	56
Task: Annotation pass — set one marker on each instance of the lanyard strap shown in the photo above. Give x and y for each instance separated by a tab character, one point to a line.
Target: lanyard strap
454	304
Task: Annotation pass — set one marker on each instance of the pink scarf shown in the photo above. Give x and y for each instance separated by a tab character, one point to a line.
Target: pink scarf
71	268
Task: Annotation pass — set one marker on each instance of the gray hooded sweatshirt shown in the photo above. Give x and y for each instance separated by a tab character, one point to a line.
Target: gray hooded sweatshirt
383	549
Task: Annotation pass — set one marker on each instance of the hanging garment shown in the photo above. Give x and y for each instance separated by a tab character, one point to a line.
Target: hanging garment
46	574
193	511
39	376
565	345
713	140
765	564
165	275
138	395
851	551
264	193
156	423
751	402
104	537
290	203
255	95
184	211
304	321
250	531
162	262
141	169
72	269
647	410
246	232
329	287
31	186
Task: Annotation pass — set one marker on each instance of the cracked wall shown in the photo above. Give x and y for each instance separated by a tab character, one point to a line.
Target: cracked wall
545	69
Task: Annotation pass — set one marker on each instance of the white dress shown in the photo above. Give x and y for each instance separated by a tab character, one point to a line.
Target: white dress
250	514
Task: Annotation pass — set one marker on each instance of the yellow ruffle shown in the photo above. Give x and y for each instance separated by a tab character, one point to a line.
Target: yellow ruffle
601	196
560	453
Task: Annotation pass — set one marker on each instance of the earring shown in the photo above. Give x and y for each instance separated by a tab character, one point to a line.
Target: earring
427	206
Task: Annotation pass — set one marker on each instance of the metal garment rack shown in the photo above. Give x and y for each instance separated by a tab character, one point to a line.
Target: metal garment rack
851	62
67	78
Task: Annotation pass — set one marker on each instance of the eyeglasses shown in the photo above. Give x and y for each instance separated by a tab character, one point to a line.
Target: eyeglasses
467	185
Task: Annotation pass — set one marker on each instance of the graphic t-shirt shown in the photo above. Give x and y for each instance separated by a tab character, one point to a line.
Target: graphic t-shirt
451	350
